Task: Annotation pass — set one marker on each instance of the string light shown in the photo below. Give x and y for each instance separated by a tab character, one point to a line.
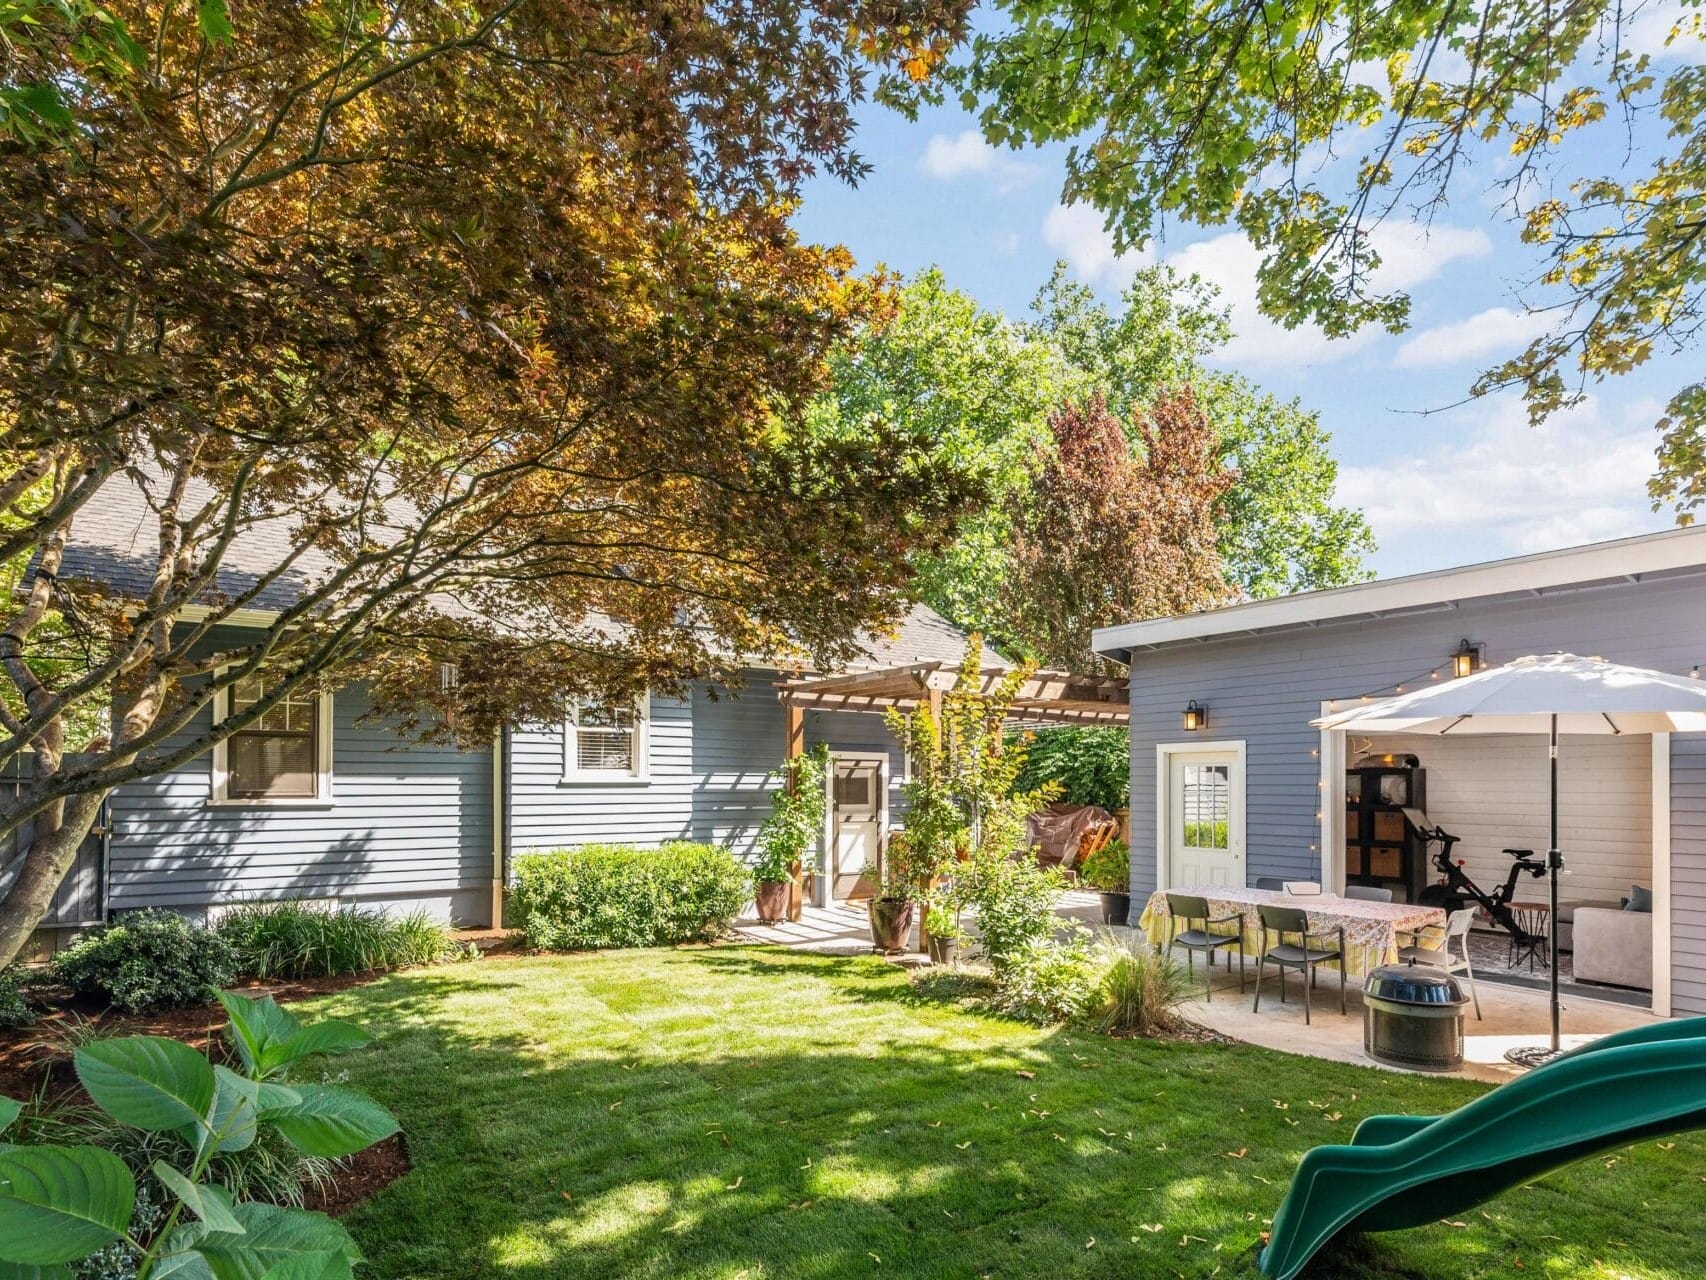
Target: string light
1433	673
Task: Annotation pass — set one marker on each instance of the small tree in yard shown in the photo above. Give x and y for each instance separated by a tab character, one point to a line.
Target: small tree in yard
1109	532
485	323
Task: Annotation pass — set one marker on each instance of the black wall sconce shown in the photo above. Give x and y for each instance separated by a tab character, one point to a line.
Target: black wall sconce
1467	660
1195	717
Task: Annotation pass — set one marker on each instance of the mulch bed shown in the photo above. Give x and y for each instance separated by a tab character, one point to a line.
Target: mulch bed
36	1061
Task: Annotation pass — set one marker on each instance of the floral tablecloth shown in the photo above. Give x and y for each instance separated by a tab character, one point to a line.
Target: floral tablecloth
1371	928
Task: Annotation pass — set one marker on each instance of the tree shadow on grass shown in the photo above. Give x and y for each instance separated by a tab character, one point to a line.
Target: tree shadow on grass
735	1112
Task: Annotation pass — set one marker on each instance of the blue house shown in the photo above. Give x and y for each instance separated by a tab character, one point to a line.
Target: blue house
320	801
1231	784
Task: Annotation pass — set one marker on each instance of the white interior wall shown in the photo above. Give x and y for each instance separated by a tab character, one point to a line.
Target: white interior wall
1491	791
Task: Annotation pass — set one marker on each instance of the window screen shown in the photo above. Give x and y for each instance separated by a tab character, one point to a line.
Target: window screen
276	757
605	739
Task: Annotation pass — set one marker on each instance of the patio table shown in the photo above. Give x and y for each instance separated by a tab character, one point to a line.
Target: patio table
1371	928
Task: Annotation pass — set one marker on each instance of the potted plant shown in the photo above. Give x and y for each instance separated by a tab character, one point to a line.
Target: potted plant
942	925
891	909
1108	871
788	840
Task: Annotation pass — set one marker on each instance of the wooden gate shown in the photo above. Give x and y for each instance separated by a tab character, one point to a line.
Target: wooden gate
80	902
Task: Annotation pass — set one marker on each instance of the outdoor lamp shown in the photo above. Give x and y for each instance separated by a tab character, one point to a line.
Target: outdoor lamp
1195	717
1464	661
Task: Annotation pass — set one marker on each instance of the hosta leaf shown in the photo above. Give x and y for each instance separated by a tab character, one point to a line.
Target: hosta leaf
328	1121
210	1204
9	1110
58	1204
273	1236
323	1037
147	1081
313	1266
257	1029
23	1271
233	1116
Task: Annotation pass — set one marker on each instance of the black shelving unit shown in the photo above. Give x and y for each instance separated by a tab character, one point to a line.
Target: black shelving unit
1382	845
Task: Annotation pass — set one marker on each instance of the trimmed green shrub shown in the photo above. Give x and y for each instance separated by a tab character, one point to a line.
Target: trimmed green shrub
15	1011
1092	765
602	896
292	939
147	960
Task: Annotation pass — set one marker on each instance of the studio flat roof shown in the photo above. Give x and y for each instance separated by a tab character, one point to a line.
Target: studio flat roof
1674	551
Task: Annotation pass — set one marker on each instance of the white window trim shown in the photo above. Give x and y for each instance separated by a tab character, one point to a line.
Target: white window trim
322	798
1235	829
640	775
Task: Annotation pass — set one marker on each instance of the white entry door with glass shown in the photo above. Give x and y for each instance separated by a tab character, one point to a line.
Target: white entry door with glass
1205	821
857	785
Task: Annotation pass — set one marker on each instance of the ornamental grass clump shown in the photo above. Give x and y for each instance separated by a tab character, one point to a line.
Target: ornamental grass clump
1140	990
294	939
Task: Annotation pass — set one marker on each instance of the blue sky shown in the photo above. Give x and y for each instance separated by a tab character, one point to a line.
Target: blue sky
1452	486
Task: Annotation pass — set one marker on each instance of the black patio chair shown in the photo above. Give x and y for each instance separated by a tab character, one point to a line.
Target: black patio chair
1192	911
1274	883
1284	922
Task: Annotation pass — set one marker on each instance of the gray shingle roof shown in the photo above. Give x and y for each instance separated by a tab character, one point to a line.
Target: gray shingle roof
114	541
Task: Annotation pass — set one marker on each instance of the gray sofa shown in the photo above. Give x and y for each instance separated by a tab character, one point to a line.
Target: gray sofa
1613	946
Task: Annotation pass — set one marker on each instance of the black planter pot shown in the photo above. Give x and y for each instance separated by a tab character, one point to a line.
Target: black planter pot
943	950
891	923
1116	907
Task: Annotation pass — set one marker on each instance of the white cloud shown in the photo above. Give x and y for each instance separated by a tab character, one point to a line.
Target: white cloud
1076	232
1412	254
1495	331
1487	476
1409	255
950	156
1652	25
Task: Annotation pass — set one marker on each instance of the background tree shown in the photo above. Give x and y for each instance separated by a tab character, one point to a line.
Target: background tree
981	387
1232	111
1112	532
1279	527
424	333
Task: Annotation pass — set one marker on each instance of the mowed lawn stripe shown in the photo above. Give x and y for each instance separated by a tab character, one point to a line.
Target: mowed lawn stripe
751	1114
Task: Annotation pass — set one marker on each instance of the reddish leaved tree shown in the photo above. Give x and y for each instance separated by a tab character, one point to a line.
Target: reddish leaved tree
1119	525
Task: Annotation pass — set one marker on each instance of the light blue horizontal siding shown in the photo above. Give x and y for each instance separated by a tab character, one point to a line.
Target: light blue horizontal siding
1688	872
548	813
1264	690
408	821
712	762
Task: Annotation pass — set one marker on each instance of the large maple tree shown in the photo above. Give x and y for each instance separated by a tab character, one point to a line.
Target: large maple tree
486	319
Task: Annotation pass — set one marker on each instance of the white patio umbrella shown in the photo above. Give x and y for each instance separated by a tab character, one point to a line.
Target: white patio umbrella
1552	693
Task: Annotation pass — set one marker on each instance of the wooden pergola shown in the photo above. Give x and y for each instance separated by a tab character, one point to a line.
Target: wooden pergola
1058	697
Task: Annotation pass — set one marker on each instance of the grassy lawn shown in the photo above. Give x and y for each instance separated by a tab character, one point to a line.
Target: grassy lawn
744	1112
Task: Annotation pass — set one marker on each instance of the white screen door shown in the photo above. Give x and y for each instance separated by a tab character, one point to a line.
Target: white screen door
1205	838
856	820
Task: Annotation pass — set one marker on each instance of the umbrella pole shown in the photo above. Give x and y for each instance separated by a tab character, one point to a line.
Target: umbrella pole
1554	863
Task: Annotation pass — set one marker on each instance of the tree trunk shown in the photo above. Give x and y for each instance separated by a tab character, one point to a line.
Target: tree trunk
46	863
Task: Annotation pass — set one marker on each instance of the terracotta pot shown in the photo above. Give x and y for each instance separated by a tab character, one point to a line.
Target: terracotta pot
943	950
771	899
891	923
1116	908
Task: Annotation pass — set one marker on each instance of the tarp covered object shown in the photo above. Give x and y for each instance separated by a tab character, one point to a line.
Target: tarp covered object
1058	831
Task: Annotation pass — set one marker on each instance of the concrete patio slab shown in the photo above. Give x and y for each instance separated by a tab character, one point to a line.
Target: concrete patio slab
1512	1016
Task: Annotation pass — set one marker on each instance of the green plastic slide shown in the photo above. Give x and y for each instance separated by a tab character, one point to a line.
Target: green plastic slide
1404	1171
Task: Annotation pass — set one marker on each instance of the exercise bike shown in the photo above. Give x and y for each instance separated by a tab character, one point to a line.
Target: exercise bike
1460	892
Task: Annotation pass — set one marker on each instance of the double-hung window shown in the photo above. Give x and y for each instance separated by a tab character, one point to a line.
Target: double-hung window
606	741
284	755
